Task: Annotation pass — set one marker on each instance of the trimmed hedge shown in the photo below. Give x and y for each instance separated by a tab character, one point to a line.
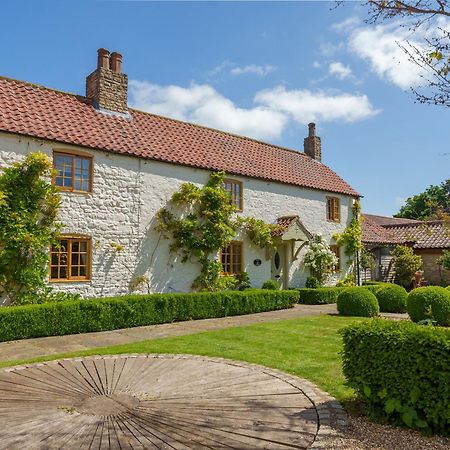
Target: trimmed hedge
401	370
319	296
430	302
357	301
392	298
82	316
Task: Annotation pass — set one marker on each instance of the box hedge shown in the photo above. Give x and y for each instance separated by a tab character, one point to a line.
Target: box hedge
430	302
401	370
81	316
319	296
357	301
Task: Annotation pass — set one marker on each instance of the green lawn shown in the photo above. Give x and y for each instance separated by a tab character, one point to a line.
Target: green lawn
308	347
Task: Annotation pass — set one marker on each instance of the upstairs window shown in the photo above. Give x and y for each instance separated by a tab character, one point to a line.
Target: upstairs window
70	259
231	257
333	209
337	251
73	172
234	190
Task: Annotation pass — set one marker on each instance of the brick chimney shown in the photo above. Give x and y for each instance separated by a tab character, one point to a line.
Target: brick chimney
107	86
312	145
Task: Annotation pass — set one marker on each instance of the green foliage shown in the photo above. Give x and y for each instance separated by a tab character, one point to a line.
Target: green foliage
204	225
401	371
444	260
357	301
430	302
347	281
350	238
320	259
270	285
60	318
258	231
312	282
405	264
367	259
391	298
29	206
319	296
242	281
429	204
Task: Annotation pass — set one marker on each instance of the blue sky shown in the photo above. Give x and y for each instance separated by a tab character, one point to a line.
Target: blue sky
259	69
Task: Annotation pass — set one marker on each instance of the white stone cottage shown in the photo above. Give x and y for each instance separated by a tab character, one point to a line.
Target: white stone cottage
116	167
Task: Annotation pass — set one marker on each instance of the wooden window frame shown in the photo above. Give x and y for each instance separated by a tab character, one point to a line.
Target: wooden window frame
70	278
241	261
334	211
234	197
74	154
336	249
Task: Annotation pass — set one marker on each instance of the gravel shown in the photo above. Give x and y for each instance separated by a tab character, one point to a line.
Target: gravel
362	434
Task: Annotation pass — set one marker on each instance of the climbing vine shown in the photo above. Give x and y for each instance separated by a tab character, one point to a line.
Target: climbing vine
351	237
29	206
200	221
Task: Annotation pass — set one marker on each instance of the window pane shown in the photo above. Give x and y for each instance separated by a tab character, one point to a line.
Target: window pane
54	273
63	272
78	185
85	186
59	181
54	259
75	259
74	271
87	164
78	163
67	182
82	271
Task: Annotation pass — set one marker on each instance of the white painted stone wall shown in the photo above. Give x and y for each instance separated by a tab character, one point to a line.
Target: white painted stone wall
127	192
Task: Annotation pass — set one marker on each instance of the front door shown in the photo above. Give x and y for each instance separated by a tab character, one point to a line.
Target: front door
278	266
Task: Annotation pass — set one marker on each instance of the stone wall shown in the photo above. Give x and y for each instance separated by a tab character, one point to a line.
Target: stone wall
127	192
433	273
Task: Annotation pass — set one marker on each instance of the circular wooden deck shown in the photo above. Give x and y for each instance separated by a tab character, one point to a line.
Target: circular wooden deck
153	402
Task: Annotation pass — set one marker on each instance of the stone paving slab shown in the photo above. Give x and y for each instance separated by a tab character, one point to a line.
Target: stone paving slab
52	345
162	401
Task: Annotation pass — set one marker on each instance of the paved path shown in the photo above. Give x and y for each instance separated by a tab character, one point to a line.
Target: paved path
162	402
32	348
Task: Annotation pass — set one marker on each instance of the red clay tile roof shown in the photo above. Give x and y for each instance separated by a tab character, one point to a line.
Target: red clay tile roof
373	233
387	230
382	220
41	112
283	223
423	234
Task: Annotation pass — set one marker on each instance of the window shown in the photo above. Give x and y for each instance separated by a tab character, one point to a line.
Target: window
337	251
73	172
234	190
231	257
70	259
333	209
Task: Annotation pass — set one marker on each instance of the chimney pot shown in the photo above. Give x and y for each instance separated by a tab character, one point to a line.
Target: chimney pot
103	58
107	86
312	129
116	62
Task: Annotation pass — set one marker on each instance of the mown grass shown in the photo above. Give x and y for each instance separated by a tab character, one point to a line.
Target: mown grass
308	347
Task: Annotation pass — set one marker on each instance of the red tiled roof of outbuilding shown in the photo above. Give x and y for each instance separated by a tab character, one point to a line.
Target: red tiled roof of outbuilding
32	110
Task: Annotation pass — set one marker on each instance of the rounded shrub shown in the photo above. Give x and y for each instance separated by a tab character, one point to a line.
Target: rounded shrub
420	303
312	282
440	309
357	301
392	298
270	285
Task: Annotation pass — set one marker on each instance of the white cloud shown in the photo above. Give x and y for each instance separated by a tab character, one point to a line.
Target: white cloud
346	24
232	68
379	46
261	71
304	105
204	105
267	118
316	65
338	69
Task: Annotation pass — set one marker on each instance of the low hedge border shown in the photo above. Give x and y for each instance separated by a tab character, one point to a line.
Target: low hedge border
82	316
319	296
401	370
